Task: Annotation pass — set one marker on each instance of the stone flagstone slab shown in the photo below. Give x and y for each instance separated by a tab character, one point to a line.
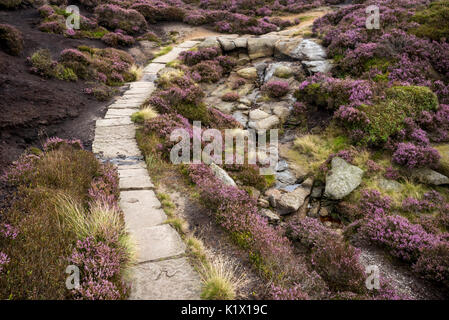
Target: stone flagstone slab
119	113
141	209
103	134
113	122
134	179
118	149
153	68
158	242
172	279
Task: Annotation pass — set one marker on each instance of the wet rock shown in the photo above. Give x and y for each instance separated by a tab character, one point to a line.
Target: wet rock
292	201
317	191
286	48
258	114
342	179
309	50
429	176
249	73
261	47
282	165
222	175
323	66
245	101
241	118
270	215
285	178
265	124
314	209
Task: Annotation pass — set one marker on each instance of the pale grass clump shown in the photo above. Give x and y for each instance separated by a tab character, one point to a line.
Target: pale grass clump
144	114
165	80
311	150
137	71
221	279
99	222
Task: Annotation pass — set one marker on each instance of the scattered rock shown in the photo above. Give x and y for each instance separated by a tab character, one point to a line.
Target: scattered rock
249	73
323	66
342	179
314	209
258	115
265	124
241	118
389	185
429	176
263	203
283	72
226	43
273	196
222	175
282	165
324	211
292	201
317	191
285	178
270	215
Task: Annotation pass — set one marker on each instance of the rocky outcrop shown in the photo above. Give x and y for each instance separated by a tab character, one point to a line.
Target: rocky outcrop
222	175
429	176
342	179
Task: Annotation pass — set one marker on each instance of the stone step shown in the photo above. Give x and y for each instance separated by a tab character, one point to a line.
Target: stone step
173	279
188	44
113	122
119	113
141	209
134	179
103	134
156	243
117	149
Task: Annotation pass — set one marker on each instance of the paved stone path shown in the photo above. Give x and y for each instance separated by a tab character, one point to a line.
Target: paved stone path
162	270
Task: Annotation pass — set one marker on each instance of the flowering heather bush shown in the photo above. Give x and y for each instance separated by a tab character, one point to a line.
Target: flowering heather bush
115	17
331	93
191	58
372	202
401	238
238	83
276	89
115	39
293	293
11	40
98	263
431	200
55	143
351	117
412	156
230	97
393	55
337	262
105	188
433	264
209	71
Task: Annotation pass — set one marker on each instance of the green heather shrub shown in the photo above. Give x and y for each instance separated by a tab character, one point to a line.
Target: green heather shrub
386	117
10	4
250	175
194	112
433	20
11	40
42	63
